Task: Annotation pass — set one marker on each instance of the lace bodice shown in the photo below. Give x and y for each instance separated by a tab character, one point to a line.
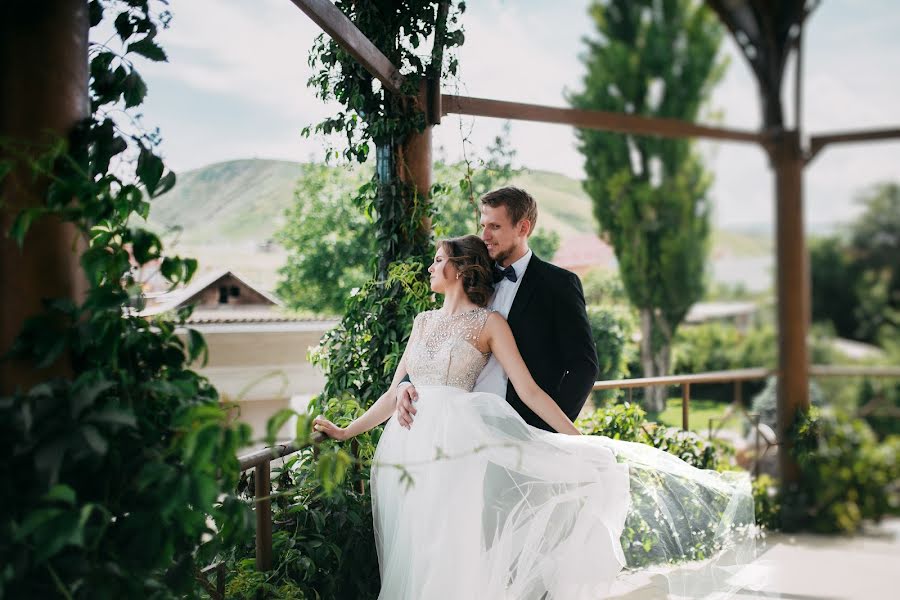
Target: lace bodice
442	348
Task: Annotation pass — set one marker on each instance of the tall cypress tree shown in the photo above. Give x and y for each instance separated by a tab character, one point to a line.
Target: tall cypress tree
657	58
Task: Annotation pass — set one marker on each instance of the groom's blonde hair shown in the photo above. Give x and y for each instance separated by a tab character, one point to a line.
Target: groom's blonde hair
519	204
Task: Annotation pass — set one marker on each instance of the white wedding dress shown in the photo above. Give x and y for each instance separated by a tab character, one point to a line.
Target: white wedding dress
471	502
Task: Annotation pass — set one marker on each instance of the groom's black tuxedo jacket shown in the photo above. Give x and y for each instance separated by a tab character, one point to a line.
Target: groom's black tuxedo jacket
550	324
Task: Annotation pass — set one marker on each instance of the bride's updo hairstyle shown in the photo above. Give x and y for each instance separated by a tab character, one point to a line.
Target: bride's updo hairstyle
473	263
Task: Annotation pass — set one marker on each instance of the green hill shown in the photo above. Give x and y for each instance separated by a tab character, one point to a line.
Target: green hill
243	201
239	200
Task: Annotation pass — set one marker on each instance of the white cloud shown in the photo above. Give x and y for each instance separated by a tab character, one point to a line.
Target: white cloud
255	55
256	51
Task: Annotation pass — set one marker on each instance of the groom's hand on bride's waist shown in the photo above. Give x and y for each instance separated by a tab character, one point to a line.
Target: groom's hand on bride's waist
406	395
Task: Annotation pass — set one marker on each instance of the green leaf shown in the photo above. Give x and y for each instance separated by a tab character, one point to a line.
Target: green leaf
94	439
276	422
22	223
148	49
114	416
196	346
95	13
34	520
331	468
303	427
60	493
48	459
88	394
149	169
134	89
124	26
146	246
165	184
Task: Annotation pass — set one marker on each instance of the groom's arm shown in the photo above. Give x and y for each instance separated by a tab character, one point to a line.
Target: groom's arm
575	344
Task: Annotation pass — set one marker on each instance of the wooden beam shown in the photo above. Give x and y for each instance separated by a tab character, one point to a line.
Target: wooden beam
336	24
818	142
594	119
793	307
43	96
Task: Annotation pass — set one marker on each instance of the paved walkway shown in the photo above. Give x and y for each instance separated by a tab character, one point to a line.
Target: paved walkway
805	567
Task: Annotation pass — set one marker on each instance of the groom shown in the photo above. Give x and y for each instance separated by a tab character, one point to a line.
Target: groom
544	306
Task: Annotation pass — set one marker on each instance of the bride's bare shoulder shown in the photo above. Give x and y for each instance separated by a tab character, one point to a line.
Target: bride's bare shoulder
495	321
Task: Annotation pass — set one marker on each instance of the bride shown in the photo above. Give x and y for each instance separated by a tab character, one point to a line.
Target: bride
474	503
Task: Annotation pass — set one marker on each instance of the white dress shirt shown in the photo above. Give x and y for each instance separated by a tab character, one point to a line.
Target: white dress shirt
493	378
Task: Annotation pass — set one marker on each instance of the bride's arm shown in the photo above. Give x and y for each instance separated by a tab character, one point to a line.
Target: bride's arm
380	411
499	338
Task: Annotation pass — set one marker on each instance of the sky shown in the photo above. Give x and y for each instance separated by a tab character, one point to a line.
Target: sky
235	87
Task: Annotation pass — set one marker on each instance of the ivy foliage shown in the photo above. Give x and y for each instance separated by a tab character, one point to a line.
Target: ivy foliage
113	476
359	356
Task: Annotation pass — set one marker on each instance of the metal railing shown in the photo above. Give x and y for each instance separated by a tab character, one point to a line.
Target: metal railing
261	460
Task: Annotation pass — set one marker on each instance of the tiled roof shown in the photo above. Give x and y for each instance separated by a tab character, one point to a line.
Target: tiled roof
251	315
182	296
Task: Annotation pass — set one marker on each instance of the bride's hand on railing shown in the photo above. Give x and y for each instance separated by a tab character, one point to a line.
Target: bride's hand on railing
325	426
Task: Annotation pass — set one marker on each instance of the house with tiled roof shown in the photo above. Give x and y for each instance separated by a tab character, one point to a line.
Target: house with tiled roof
257	349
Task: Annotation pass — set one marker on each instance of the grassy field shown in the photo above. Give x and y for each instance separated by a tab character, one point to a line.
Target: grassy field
700	412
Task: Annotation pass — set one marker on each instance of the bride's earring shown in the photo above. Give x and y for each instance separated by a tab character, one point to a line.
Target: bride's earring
457	275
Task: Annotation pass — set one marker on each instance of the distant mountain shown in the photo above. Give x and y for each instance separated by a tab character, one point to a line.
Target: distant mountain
242	202
238	200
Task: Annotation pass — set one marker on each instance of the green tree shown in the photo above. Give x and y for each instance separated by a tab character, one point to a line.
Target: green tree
656	59
875	246
856	278
329	240
330	237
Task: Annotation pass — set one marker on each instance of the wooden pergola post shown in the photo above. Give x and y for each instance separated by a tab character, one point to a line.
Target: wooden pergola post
793	289
415	164
43	94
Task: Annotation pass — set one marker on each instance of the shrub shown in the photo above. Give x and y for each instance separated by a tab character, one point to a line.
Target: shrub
846	475
617	421
626	422
765	404
612	328
885	395
721	347
766	502
604	288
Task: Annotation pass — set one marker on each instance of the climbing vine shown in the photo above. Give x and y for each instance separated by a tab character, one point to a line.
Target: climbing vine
318	551
112	475
360	355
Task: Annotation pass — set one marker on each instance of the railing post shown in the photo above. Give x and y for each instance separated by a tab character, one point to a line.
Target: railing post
263	517
738	393
685	401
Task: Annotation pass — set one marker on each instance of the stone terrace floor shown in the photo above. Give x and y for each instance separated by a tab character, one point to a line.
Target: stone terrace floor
806	567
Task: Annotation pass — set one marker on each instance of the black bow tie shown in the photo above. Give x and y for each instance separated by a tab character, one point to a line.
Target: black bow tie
508	273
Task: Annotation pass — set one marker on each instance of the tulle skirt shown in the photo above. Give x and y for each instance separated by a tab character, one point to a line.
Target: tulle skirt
472	502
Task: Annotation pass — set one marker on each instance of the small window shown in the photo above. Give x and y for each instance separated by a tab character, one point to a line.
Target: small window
235	291
223	295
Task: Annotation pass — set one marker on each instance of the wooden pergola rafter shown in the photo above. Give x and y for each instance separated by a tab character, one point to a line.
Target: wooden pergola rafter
768	33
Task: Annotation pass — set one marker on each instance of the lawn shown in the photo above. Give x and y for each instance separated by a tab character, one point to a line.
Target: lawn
700	412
